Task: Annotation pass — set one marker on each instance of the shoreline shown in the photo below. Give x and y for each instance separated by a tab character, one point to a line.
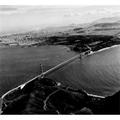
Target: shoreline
22	85
106	48
92	53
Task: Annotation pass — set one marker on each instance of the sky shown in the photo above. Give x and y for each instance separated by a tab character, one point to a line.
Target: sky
15	18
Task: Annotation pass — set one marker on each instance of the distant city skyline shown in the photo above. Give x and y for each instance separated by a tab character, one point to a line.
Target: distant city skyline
22	18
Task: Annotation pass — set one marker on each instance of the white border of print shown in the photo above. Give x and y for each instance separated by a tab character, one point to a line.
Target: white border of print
60	2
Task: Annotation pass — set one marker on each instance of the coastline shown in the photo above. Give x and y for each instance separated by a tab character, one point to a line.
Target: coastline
38	76
104	49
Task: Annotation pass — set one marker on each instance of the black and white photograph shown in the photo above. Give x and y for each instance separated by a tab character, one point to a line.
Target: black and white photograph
59	60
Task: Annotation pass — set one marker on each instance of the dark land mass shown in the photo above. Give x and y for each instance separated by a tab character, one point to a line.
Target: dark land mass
45	96
80	43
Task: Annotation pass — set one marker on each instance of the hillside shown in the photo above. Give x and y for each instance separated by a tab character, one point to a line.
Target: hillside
103	26
103	31
45	96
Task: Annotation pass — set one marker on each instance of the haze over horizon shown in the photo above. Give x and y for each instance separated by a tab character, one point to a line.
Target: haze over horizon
22	18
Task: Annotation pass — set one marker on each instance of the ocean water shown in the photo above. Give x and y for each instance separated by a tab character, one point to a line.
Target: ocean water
97	74
19	65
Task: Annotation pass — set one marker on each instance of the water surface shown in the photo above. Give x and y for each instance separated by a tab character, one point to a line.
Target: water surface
18	65
98	73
